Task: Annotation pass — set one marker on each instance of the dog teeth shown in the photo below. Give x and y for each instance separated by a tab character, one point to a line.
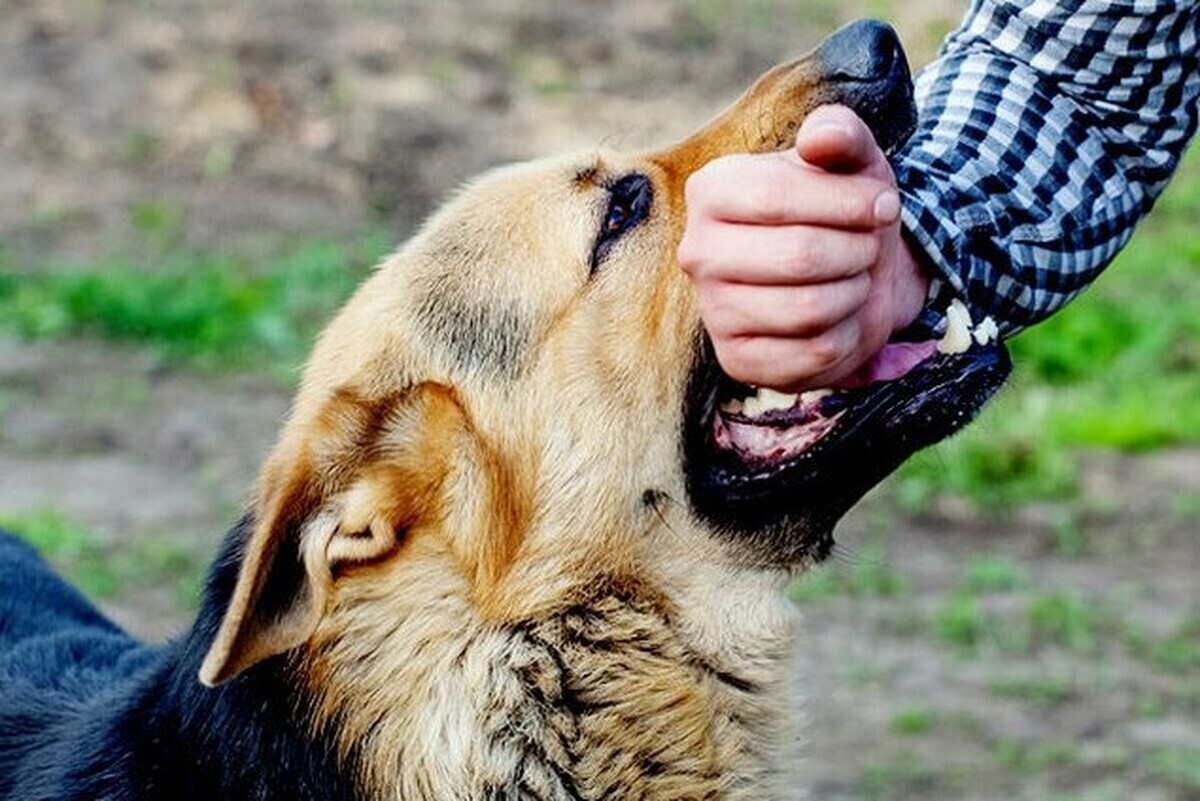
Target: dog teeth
987	331
731	407
767	400
957	338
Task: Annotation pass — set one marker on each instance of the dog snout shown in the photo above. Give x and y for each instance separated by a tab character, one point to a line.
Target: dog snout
863	66
863	51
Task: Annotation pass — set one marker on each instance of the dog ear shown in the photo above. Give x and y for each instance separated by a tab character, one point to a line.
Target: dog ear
340	493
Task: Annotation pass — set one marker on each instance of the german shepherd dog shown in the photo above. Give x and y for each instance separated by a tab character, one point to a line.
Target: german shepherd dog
519	536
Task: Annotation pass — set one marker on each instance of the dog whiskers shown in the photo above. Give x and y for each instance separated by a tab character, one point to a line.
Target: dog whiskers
845	555
654	499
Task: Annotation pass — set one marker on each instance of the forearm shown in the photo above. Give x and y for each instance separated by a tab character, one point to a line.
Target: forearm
1044	138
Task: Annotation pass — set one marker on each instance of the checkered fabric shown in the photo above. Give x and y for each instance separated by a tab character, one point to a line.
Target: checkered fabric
1047	131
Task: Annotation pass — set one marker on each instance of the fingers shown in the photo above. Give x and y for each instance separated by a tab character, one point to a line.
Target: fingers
792	364
733	311
790	252
778	189
774	255
836	139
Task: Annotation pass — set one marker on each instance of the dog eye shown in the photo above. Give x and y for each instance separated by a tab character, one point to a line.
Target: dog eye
629	201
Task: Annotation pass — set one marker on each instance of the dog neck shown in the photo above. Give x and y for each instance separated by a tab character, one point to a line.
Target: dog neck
624	691
740	624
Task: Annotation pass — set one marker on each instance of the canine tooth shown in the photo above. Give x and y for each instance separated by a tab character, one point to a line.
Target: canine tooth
957	338
767	400
986	331
732	407
815	395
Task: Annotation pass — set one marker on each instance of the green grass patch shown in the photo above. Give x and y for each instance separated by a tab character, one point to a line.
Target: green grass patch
1003	460
904	776
962	622
991	573
215	309
1028	758
1060	619
1104	791
1042	691
913	722
1186	506
77	552
1066	619
103	571
1151	706
867	575
1178	766
1177	652
1069	537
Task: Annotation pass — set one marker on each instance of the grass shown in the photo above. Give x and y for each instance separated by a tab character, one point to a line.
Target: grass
214	309
1034	757
1046	691
963	622
102	572
1058	618
1176	653
1000	462
1177	765
1066	619
75	550
866	575
913	721
1037	617
991	573
902	776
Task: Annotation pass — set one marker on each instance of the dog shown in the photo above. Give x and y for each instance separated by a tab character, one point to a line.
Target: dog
519	536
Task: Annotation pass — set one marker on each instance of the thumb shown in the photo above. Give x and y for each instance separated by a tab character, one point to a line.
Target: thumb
835	139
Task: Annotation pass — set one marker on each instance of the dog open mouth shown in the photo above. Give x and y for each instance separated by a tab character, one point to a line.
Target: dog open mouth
762	428
778	470
758	457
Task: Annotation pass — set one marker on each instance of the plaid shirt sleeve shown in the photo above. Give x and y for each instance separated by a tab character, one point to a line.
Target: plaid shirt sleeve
1047	131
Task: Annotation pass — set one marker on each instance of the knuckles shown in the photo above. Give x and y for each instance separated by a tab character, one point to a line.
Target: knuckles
784	363
825	352
743	359
704	188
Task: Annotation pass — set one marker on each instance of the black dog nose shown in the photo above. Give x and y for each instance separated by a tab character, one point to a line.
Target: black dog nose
863	66
866	50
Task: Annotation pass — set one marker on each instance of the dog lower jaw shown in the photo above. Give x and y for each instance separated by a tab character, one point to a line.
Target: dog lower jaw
767	428
778	480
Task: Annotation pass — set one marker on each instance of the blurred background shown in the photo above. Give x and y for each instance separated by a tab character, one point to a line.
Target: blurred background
190	188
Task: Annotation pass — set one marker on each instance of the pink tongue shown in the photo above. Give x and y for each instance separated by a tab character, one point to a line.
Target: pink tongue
891	361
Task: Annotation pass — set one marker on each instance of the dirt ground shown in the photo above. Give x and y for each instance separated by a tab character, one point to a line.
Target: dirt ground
288	118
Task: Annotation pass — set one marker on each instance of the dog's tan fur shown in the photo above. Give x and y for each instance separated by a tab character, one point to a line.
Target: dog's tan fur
503	589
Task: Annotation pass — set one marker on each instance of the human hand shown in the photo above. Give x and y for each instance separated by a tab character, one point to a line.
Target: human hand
800	269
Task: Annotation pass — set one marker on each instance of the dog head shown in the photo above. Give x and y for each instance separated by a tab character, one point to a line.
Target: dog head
520	401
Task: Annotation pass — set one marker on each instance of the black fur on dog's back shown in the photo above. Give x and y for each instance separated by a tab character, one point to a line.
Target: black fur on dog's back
88	712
